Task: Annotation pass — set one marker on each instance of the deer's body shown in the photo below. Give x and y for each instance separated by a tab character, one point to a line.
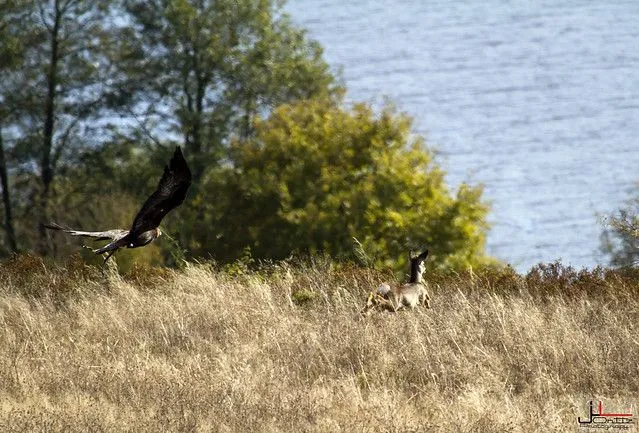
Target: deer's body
406	295
410	295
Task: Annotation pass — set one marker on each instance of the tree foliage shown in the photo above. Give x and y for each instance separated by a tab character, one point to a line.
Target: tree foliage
320	178
205	68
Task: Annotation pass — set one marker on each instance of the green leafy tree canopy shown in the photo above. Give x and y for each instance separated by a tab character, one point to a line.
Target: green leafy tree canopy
317	176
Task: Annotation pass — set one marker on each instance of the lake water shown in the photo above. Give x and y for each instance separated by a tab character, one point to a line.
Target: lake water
539	101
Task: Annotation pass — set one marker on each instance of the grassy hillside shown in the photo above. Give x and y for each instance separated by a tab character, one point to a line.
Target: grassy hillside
284	349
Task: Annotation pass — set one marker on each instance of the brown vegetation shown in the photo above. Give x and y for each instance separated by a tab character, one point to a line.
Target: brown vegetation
284	349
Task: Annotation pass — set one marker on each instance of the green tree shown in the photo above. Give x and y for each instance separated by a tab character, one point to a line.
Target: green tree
58	96
207	67
316	176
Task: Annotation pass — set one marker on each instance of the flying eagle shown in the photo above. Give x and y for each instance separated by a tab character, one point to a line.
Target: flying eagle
170	194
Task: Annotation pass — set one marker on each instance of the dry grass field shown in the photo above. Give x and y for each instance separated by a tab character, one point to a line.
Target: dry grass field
284	349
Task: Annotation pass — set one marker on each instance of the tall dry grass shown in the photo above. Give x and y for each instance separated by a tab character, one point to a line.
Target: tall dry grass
284	349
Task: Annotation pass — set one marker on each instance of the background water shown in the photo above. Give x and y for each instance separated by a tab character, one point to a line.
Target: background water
537	100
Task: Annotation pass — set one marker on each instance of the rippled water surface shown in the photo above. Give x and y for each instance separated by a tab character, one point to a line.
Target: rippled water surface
537	100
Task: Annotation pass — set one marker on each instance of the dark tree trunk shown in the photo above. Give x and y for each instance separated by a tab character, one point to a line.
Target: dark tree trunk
248	117
197	129
6	200
194	95
46	166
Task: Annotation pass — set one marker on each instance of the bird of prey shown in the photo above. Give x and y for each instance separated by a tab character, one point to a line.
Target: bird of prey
170	194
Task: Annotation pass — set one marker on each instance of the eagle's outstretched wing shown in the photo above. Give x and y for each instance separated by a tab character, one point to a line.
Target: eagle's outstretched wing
170	194
114	234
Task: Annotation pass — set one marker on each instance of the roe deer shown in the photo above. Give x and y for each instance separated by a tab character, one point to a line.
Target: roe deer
410	294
